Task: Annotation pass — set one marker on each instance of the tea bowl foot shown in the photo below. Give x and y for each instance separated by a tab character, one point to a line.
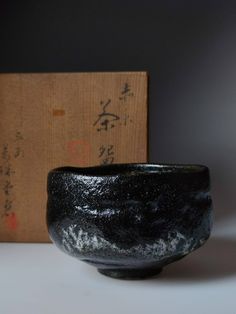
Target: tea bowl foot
130	273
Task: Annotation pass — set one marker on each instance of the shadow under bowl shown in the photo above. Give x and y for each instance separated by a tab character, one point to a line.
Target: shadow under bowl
129	220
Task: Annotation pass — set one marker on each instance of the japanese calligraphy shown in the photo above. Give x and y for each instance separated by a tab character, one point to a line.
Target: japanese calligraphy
18	151
106	154
112	116
106	120
7	172
126	92
7	186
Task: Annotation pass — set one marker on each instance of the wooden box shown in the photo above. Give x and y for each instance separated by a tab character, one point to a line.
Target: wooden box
58	119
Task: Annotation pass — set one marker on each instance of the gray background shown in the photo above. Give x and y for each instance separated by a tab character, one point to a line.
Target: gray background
188	48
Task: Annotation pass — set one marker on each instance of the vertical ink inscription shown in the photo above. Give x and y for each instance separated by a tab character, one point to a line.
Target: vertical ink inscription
106	119
18	150
106	154
6	185
109	118
8	153
126	92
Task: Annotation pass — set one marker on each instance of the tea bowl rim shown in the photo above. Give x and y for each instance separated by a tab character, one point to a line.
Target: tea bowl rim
128	169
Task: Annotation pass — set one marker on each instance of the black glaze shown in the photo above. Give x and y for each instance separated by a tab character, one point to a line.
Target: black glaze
129	220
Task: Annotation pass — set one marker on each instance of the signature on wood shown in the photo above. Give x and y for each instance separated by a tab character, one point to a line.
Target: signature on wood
106	154
8	153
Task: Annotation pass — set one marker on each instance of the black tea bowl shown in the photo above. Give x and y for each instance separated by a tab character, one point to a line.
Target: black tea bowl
129	220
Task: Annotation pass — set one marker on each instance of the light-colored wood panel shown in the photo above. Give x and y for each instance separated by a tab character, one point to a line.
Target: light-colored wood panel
58	119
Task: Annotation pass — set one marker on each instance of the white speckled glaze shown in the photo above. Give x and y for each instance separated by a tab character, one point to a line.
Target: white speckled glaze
76	241
129	217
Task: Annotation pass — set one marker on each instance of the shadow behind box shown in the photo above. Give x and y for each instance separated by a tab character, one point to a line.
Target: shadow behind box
58	119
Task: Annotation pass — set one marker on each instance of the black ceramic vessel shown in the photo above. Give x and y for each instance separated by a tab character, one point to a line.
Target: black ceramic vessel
129	220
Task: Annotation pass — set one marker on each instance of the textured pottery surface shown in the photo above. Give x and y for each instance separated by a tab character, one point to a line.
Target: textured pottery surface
129	220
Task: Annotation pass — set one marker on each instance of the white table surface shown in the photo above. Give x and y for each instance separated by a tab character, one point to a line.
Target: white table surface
39	279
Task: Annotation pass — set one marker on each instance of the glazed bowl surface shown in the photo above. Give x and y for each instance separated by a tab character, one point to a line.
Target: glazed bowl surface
129	220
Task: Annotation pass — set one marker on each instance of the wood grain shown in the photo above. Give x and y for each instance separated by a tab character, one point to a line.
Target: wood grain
58	119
